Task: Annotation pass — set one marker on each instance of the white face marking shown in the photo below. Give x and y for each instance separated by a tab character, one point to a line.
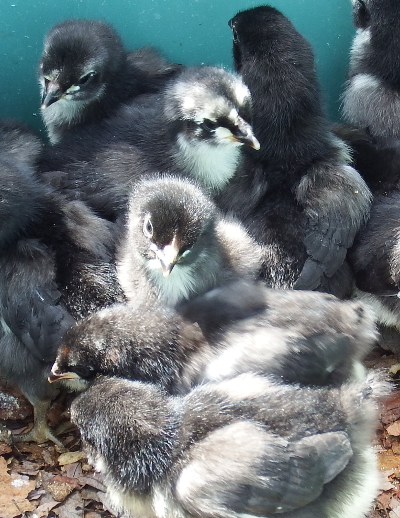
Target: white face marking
213	166
178	286
225	136
66	111
186	280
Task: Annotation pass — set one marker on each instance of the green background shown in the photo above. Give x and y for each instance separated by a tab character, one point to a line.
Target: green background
190	32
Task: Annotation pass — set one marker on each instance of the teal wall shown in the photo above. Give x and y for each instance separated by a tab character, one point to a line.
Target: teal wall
187	31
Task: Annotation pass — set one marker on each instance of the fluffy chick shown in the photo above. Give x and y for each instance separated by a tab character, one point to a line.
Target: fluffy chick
377	159
85	74
375	260
299	337
371	105
243	446
297	195
194	129
371	98
177	245
55	266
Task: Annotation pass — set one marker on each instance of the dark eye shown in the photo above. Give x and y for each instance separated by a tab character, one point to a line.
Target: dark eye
84	80
209	125
83	371
147	227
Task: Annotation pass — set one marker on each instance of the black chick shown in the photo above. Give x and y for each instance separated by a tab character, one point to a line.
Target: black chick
297	195
85	74
55	266
371	98
244	446
195	129
375	260
377	159
299	337
177	245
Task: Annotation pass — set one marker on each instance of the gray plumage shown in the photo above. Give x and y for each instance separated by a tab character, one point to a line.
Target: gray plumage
55	266
85	74
194	129
371	97
177	245
243	446
299	337
297	195
371	103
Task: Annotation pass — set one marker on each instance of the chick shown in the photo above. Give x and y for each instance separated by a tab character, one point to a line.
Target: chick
85	74
371	105
297	195
377	159
375	260
55	266
195	129
299	337
177	245
371	98
243	446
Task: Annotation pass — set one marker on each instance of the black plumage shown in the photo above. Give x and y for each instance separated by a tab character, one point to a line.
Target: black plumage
371	105
55	266
377	159
371	98
243	446
375	260
299	337
85	74
195	129
297	195
177	245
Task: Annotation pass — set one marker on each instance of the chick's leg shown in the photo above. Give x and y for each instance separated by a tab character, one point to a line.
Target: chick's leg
40	432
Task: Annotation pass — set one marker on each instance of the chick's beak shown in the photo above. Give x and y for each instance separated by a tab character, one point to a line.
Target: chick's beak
168	256
51	94
56	375
244	134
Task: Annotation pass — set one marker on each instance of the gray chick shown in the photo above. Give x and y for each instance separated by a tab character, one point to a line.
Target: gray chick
246	446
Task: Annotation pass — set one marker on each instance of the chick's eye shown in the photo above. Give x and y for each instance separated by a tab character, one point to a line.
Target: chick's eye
148	227
209	125
83	371
86	78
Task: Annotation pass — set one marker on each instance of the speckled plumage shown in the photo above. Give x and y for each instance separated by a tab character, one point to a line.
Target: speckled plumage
243	446
188	249
194	129
299	337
